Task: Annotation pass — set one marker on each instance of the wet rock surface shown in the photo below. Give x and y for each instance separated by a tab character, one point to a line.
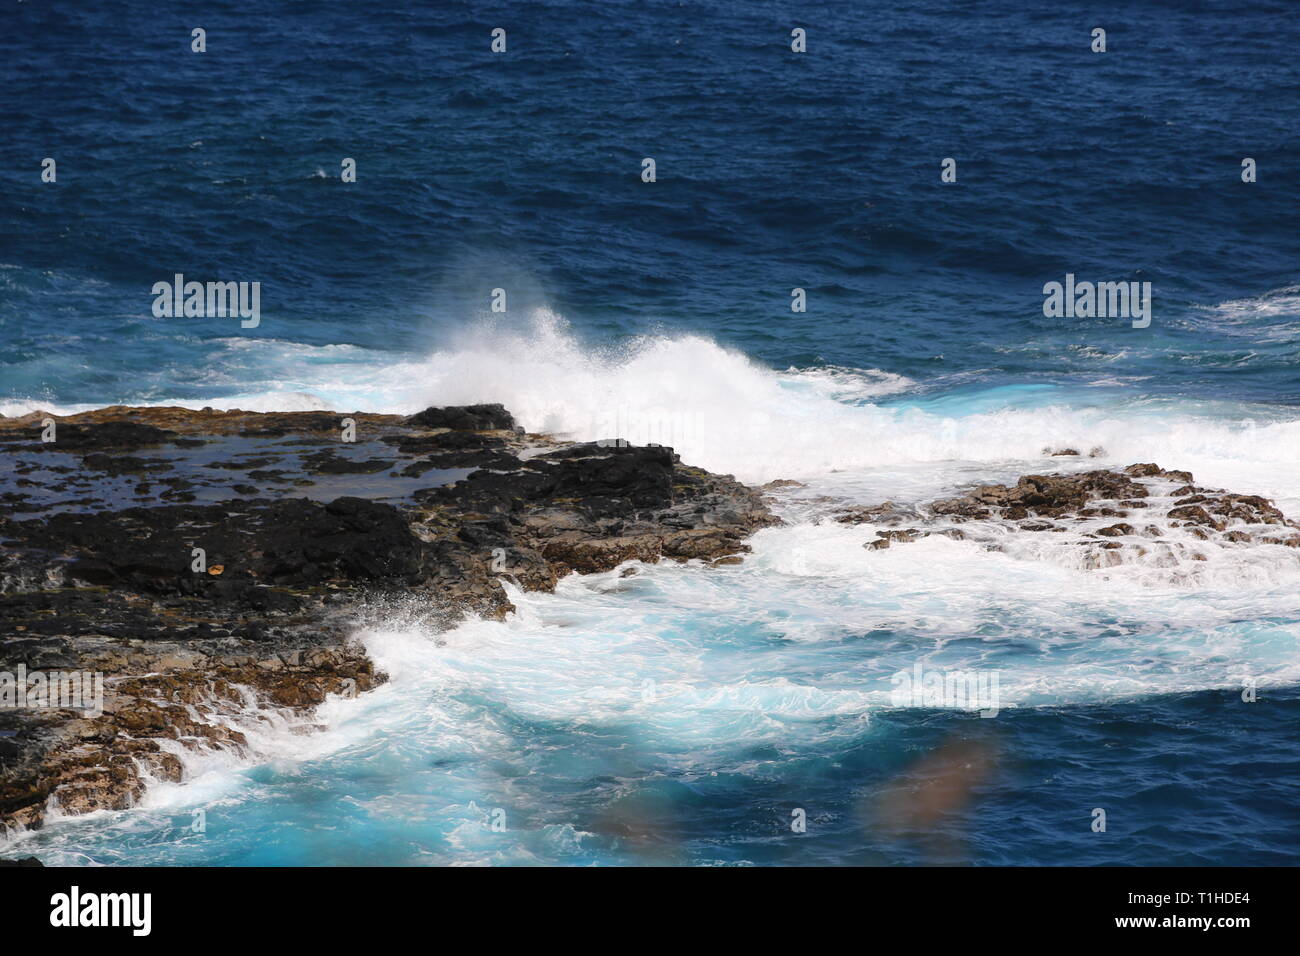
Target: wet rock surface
1143	514
303	537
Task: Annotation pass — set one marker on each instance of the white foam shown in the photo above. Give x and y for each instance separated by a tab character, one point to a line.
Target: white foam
707	670
1256	317
727	413
797	644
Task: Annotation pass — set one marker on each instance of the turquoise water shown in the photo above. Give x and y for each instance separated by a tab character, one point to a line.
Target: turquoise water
684	714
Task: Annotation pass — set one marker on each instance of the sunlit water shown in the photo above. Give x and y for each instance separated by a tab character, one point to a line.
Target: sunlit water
686	714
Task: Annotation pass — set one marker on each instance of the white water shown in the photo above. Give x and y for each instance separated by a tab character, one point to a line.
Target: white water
724	412
688	671
691	670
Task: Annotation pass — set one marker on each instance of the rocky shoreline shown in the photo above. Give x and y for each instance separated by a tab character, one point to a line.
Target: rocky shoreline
213	566
210	563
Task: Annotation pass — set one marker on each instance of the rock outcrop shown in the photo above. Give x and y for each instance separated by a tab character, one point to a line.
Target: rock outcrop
1142	512
213	565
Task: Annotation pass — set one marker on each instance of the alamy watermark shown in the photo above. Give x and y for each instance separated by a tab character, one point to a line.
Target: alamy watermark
959	690
645	426
208	300
75	908
53	690
1115	300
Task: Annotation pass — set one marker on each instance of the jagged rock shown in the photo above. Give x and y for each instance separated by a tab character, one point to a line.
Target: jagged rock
868	514
1196	515
1115	530
1201	513
465	418
106	581
1042	495
1145	470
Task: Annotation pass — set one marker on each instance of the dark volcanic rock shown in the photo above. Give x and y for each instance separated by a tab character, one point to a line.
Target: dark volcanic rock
349	539
595	480
465	418
293	542
590	507
445	441
120	435
99	569
328	462
121	464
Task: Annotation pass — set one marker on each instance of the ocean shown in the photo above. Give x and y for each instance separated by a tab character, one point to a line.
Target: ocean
714	716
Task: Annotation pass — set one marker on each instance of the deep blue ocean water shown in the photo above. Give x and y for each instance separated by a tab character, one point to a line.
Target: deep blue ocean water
662	310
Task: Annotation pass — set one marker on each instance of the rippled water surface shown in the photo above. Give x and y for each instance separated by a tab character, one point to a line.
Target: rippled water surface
684	714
